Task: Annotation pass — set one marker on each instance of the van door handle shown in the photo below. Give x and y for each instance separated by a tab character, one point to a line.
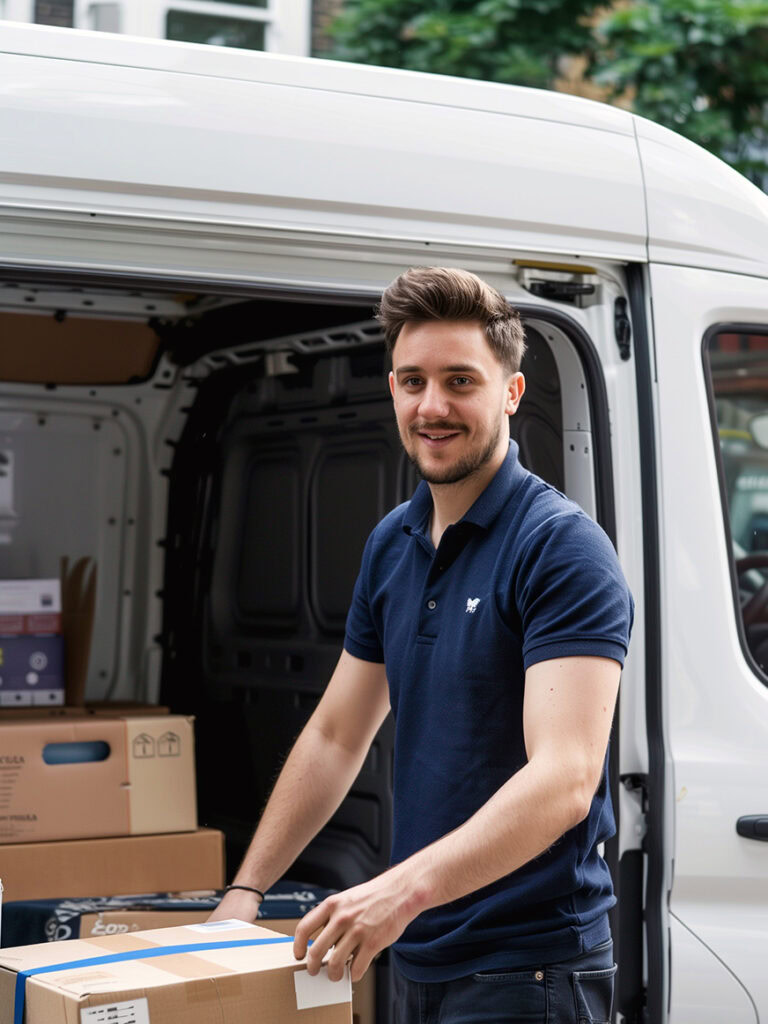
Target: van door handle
753	826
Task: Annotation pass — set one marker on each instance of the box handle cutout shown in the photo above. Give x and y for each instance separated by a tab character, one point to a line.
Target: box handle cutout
76	753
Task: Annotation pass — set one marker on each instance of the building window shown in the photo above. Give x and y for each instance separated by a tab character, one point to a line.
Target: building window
54	12
191	27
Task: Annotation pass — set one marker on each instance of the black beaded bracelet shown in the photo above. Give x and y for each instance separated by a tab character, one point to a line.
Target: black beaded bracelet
247	888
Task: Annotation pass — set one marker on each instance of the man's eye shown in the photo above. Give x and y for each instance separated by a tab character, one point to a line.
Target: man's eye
412	382
462	381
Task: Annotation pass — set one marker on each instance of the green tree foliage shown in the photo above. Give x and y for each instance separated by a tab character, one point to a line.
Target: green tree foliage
699	67
514	41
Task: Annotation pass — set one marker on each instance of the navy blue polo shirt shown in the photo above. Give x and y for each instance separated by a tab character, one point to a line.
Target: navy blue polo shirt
523	577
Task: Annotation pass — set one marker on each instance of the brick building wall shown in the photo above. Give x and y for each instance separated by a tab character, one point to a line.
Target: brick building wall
323	13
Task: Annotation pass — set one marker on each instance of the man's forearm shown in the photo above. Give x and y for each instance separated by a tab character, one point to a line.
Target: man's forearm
314	780
519	822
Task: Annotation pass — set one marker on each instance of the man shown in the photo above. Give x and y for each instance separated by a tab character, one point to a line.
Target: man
491	614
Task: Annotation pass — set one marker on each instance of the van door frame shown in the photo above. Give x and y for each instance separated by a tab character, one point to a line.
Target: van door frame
658	882
606	516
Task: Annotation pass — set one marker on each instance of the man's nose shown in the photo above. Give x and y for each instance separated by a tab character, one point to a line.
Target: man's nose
434	402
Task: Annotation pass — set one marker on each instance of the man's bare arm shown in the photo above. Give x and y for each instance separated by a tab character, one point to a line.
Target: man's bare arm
567	714
316	777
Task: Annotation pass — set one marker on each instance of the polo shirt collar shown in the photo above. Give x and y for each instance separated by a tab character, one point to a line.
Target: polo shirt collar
486	507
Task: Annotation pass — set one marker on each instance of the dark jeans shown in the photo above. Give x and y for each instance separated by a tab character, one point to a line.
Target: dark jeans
578	991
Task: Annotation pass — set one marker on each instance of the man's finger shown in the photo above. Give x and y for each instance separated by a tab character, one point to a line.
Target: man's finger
343	951
322	944
310	923
361	961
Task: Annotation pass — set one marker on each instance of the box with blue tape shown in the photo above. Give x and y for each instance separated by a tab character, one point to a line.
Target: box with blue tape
35	921
228	972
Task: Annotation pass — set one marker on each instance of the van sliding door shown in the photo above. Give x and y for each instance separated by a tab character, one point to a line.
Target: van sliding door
711	333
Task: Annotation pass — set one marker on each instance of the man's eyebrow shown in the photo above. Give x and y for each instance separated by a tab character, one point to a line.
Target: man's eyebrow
463	368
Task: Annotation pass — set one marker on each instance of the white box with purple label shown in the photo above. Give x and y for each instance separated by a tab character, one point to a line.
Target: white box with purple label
31	644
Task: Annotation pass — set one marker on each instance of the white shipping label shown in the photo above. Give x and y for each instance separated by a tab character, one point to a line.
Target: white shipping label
133	1011
229	925
320	990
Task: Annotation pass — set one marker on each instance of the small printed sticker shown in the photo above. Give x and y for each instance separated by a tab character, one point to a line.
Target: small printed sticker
217	926
319	990
133	1011
143	746
169	745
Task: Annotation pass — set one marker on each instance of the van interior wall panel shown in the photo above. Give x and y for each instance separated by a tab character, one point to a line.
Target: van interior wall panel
85	456
276	484
68	349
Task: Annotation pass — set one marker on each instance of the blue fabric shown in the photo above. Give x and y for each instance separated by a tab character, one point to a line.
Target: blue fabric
577	991
134	954
52	920
523	577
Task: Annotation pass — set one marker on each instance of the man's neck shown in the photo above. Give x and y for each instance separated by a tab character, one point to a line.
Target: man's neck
451	501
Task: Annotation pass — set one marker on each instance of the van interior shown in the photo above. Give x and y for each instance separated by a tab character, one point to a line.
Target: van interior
221	458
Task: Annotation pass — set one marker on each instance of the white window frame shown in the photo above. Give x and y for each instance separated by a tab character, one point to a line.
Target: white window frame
287	21
17	10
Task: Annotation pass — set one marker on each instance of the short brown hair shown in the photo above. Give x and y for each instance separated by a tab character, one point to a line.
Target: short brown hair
447	293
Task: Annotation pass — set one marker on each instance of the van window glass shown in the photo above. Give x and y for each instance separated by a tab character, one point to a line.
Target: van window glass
738	368
191	27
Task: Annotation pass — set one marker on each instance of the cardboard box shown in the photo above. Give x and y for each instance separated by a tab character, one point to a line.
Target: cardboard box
76	778
31	643
226	972
35	921
78	599
103	867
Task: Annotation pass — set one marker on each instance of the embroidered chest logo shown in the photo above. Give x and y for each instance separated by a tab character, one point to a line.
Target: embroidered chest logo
472	603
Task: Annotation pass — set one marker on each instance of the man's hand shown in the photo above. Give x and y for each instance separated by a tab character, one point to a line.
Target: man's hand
358	923
237	905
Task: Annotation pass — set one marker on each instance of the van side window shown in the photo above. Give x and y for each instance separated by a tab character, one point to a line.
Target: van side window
737	362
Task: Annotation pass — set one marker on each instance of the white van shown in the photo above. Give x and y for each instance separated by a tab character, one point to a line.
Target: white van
193	395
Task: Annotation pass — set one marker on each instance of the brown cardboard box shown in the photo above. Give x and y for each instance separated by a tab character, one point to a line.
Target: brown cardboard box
258	979
145	783
115	922
106	867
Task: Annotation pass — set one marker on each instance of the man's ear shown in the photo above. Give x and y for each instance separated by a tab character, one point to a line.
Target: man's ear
392	383
515	391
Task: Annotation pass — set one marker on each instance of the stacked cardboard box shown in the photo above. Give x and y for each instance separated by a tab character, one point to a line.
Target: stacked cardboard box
34	921
103	867
92	805
72	778
227	971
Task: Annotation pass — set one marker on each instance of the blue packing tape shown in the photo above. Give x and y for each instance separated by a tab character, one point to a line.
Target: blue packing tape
135	954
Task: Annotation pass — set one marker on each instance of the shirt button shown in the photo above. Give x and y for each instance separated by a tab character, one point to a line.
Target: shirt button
431	605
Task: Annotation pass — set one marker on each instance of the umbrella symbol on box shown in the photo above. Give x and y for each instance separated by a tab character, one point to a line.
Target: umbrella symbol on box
143	746
169	745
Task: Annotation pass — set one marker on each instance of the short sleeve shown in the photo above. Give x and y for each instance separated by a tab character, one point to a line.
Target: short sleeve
571	594
362	638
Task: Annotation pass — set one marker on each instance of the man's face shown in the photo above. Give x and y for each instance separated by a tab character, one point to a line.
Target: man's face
452	398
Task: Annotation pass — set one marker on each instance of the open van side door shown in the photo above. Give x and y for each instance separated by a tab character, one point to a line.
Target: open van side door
711	383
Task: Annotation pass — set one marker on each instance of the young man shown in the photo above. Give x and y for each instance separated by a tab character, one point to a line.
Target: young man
491	614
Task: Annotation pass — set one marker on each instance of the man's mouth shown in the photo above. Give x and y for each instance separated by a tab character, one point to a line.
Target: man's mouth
437	438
